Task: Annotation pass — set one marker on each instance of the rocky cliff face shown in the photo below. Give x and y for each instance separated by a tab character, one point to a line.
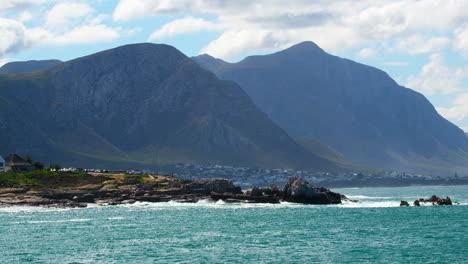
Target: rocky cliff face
27	66
141	104
358	110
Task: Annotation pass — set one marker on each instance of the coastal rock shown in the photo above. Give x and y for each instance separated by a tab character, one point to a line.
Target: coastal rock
212	185
439	201
300	191
87	198
254	191
434	200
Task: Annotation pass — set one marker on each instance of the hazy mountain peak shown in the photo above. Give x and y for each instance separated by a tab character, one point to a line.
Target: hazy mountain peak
209	62
304	47
27	66
356	109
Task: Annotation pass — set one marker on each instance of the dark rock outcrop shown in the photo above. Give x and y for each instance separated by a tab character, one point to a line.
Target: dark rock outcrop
404	203
111	192
254	191
209	186
433	200
300	191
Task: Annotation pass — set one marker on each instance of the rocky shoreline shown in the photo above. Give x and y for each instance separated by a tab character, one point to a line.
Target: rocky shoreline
157	188
433	200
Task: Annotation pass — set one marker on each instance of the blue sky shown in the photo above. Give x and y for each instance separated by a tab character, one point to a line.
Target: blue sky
422	44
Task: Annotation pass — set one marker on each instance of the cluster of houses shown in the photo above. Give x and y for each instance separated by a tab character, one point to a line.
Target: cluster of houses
15	163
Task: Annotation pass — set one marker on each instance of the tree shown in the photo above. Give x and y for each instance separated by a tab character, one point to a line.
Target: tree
38	165
55	167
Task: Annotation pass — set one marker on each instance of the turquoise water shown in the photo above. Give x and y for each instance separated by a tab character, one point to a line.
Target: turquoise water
375	230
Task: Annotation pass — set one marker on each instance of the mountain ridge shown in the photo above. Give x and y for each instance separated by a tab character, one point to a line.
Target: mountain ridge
141	105
355	108
27	66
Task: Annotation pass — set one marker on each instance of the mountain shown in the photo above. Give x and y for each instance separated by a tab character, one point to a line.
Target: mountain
27	66
140	105
356	109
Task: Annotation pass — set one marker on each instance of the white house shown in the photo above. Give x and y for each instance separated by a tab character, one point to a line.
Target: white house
2	164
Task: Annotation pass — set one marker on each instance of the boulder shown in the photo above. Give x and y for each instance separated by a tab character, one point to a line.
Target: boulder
416	203
211	185
273	190
254	191
404	203
300	191
439	201
446	201
87	198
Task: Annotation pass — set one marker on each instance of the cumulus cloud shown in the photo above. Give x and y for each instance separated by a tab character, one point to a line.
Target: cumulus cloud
459	110
65	23
185	25
65	14
20	4
334	25
366	53
4	61
25	16
437	78
13	36
86	34
461	40
418	44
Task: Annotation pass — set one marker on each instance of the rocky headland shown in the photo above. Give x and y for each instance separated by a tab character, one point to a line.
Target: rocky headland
54	189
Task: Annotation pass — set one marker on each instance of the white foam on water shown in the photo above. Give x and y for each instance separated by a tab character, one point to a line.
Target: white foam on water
21	208
373	204
117	218
367	197
220	202
55	221
206	201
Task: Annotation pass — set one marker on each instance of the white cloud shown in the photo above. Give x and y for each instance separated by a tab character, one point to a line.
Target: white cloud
13	36
66	14
25	16
334	25
459	110
366	53
183	26
4	61
86	34
461	39
437	78
65	23
418	44
21	4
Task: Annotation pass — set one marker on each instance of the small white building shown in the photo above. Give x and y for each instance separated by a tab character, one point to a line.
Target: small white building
2	164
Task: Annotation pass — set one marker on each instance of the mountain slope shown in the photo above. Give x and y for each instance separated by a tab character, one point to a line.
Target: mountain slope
27	66
356	109
142	104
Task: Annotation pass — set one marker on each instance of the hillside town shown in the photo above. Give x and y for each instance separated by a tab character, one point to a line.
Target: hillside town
246	177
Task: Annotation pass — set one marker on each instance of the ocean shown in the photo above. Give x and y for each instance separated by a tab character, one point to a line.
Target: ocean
374	230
